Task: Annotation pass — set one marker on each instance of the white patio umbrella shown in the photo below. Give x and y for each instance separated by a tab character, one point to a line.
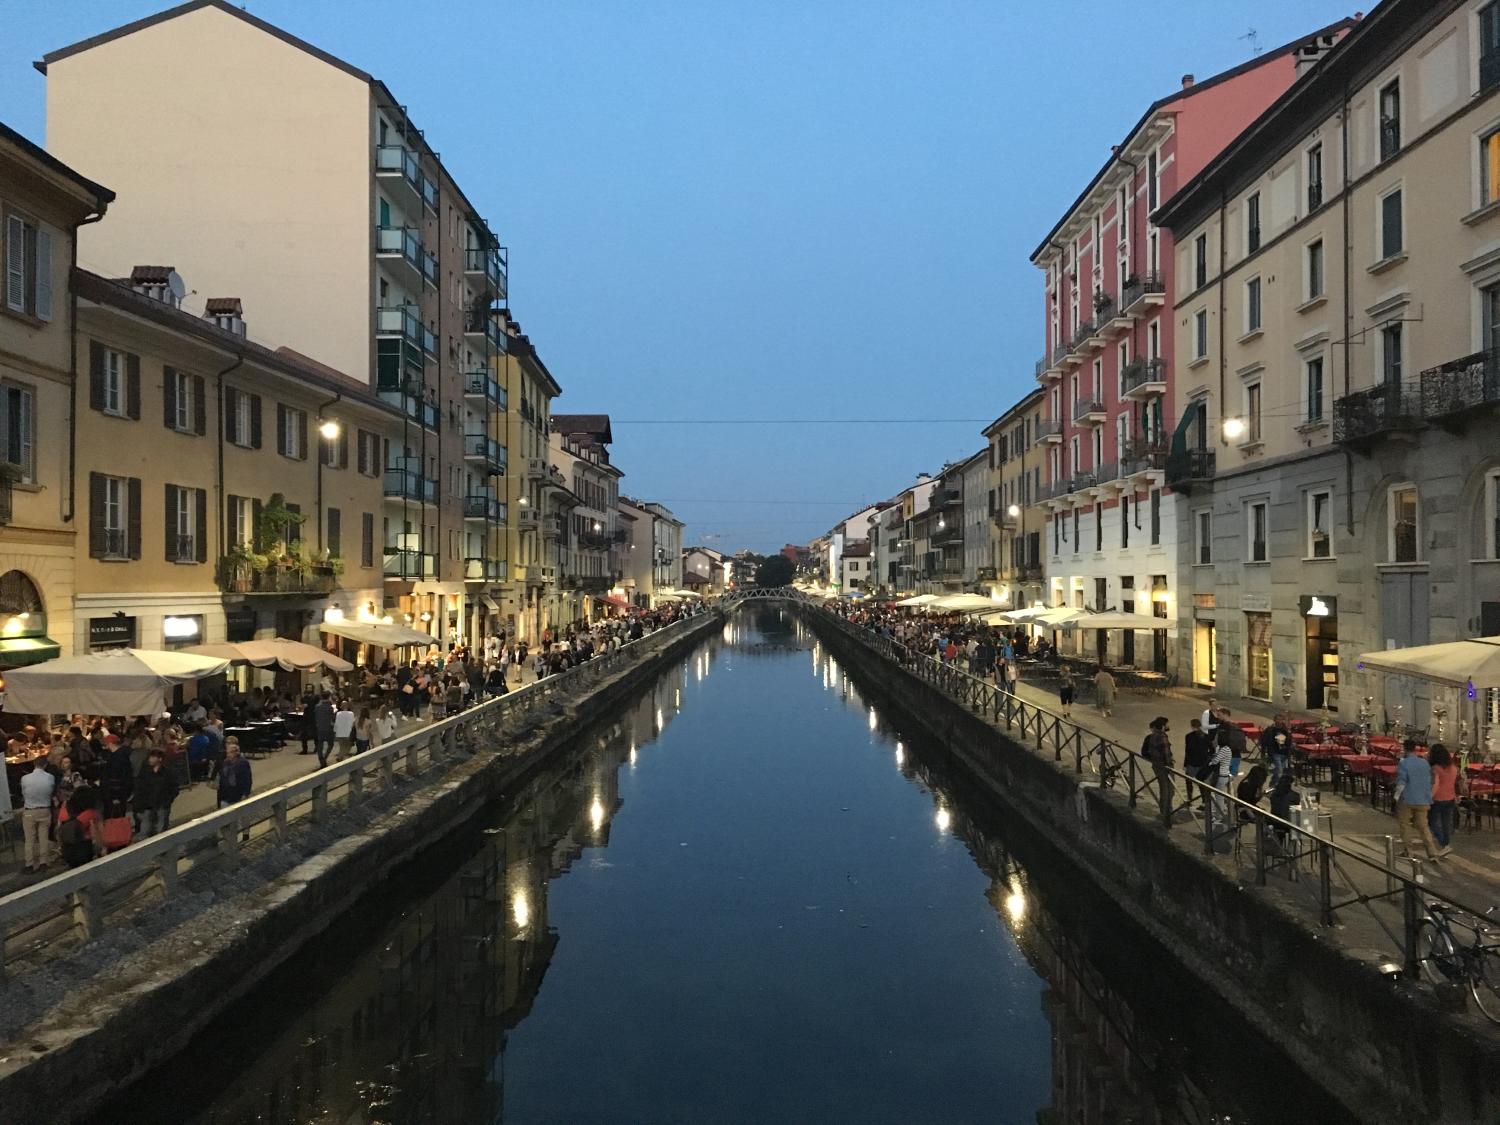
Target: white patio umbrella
1024	613
1115	619
1456	663
288	655
377	633
964	603
919	599
121	681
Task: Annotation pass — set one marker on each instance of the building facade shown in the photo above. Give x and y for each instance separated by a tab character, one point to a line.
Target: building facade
1110	283
588	542
1344	491
978	530
1017	452
351	243
42	204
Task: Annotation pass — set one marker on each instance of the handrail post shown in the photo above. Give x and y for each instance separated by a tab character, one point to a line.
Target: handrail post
320	803
411	758
1411	911
229	838
388	770
278	821
166	873
1130	777
1325	882
1260	852
86	912
357	785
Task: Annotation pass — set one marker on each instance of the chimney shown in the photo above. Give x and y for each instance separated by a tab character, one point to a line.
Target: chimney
1187	80
160	283
1310	52
226	313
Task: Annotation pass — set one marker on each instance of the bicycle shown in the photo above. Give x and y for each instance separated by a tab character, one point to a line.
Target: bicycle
1446	959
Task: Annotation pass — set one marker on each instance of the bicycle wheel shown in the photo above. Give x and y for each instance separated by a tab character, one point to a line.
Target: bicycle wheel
1439	960
1484	983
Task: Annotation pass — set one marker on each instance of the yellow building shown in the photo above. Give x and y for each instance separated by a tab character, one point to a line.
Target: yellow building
42	203
225	491
588	547
1017	456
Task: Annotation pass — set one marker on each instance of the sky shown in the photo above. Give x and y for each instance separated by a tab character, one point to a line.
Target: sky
784	245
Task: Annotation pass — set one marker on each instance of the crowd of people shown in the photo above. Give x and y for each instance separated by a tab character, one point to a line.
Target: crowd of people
98	783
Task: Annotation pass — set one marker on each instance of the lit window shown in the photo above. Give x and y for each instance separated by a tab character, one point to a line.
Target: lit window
1319	529
1257	527
1404	538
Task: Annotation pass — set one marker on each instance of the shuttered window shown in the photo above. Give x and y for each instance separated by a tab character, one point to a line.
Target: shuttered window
28	267
367	539
114	517
335	533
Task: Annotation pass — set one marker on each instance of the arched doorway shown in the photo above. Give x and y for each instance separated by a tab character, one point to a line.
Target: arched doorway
23	622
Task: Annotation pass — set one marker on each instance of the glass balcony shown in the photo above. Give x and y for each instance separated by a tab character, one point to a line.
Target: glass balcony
484	570
482	387
402	322
415	408
404	481
399	563
481	324
485	450
484	506
489	265
401	164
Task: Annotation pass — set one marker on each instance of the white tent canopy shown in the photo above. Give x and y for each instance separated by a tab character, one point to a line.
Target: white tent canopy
1456	663
919	599
288	655
1116	619
963	602
1057	615
377	633
121	681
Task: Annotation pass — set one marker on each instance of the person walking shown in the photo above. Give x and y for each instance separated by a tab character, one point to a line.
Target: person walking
155	790
1012	676
1104	688
365	734
1198	752
234	775
37	786
1448	784
323	715
1157	749
343	731
1065	691
1234	738
1413	800
1276	746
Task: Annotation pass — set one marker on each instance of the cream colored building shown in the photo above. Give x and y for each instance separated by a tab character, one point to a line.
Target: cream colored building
272	170
589	564
1018	441
42	204
190	439
1337	357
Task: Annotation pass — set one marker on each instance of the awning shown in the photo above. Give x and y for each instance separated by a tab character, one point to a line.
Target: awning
964	603
1457	663
17	652
615	600
120	681
377	633
1112	619
919	599
288	655
489	602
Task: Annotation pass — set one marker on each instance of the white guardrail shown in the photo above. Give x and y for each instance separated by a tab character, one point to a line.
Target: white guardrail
79	902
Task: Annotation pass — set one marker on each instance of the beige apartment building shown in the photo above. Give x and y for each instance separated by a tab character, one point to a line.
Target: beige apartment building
296	181
1018	442
587	541
42	204
225	491
1338	379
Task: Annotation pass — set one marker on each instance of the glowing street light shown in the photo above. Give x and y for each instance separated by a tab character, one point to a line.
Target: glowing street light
1234	428
329	429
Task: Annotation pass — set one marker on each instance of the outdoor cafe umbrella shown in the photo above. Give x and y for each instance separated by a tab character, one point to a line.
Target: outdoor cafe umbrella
919	599
1456	663
120	681
288	655
963	602
1116	619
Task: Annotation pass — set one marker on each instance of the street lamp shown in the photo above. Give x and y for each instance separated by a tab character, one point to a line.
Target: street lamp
1013	511
329	429
1234	428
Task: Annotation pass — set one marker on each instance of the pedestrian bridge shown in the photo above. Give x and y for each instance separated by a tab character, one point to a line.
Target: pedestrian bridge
765	593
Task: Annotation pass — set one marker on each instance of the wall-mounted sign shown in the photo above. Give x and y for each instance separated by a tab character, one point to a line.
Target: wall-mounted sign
1255	603
1318	605
111	632
240	625
181	628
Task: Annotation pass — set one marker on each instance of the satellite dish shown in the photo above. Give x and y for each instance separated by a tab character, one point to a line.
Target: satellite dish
177	287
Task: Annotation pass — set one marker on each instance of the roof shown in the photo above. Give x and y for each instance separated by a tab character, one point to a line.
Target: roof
1027	400
223	306
596	425
1294	113
519	344
118	294
1177	96
102	195
859	549
276	32
151	275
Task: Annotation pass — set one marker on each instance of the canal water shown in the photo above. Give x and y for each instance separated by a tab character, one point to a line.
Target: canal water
750	896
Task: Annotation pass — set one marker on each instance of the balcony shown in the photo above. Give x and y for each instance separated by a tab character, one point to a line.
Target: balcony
948	533
484	570
481	388
1055	489
234	577
481	449
1081	337
1361	418
397	164
488	266
1143	457
1004	520
415	409
1143	378
1089	412
1049	369
1141	291
1456	389
527	518
1109	319
593	541
553	527
401	247
404	481
403	343
481	325
1190	468
399	564
1105	473
945	498
1049	430
484	507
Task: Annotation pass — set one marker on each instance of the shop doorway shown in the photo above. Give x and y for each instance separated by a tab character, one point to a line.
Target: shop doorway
1321	673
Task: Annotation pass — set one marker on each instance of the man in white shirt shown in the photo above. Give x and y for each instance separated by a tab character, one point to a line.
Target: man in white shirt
37	787
343	731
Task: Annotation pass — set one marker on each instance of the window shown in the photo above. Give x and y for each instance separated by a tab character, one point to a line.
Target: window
1124	520
1252	223
1257	529
291	432
1156	517
1077	516
1253	432
241	418
18	430
28	267
1404	541
1314	269
1203	534
114	517
181	398
1200	261
1252	305
186	517
1319	527
1491	517
1314	374
1392	236
1258	655
242	520
114	382
1151	185
1200	334
1489	45
1390	119
1314	178
334	540
1390	354
1489	167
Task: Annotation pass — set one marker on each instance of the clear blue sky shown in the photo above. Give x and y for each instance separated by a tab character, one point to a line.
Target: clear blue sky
760	209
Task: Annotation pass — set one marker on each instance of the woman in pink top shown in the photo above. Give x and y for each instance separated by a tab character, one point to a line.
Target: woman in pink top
1446	786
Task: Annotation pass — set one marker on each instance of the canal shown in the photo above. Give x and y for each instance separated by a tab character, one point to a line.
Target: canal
750	896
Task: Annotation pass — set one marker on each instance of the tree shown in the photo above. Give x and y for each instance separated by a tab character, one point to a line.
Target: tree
775	571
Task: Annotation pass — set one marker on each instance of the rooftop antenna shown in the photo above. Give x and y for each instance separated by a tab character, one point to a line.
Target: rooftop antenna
1253	37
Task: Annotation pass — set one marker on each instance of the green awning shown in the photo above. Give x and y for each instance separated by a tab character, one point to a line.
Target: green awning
17	652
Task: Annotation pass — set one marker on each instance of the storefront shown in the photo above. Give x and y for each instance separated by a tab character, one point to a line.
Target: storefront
23	623
1320	614
116	631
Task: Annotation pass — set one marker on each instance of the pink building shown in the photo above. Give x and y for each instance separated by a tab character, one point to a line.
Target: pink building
1111	535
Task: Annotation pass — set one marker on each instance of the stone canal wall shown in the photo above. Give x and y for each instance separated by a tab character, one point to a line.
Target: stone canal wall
121	1007
1390	1051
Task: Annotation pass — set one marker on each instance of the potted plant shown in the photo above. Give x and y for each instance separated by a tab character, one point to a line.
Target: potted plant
278	524
243	565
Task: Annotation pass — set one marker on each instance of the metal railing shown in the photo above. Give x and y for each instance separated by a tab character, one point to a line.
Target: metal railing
1323	877
1048	428
1368	414
1085	408
1461	384
1139	373
78	904
1137	287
